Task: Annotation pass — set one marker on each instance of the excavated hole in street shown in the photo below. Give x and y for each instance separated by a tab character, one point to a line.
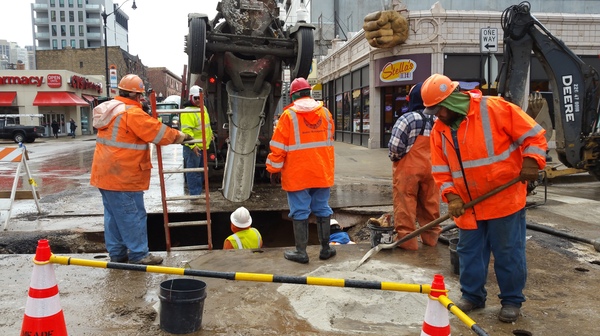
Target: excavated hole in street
275	228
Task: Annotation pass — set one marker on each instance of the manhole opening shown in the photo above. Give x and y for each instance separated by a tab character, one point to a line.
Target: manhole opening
274	226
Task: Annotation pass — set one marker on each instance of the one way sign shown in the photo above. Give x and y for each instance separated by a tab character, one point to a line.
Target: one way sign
489	40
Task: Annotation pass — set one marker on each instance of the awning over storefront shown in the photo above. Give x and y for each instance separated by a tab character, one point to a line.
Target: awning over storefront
7	98
90	99
58	99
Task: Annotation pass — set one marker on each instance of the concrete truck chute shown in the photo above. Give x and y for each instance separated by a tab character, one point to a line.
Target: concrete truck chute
239	58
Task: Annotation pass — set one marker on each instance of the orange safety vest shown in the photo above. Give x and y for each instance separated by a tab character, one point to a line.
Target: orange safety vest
302	148
122	156
493	139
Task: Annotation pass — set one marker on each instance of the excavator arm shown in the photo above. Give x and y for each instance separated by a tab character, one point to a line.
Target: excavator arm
573	83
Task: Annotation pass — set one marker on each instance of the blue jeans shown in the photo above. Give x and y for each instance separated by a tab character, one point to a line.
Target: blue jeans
303	202
505	238
195	180
125	224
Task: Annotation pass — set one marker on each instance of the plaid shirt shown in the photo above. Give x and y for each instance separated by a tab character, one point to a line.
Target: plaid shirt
405	132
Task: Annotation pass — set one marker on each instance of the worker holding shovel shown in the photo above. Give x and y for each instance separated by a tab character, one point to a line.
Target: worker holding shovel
480	143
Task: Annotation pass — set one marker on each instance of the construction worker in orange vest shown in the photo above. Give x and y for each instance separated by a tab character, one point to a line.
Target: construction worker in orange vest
479	143
414	192
302	159
121	169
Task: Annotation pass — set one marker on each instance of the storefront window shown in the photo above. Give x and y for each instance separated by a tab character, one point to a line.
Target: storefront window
365	107
338	112
356	111
347	111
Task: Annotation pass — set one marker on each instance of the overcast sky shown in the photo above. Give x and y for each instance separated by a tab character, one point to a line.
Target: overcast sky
156	28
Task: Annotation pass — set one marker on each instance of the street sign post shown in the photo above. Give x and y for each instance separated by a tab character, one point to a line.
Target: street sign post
488	40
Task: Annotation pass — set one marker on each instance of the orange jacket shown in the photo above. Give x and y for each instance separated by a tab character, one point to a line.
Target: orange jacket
493	139
302	146
122	157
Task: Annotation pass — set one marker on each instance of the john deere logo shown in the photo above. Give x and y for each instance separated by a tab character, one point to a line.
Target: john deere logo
399	70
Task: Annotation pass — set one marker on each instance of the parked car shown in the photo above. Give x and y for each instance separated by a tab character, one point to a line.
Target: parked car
10	129
171	120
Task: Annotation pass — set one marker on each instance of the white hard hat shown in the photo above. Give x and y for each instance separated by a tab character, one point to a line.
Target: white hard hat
241	218
195	91
333	222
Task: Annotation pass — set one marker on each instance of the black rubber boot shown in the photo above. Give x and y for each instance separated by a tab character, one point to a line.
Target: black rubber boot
301	238
324	230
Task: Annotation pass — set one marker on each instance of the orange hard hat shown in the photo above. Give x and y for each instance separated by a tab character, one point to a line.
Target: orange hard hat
436	88
299	84
132	83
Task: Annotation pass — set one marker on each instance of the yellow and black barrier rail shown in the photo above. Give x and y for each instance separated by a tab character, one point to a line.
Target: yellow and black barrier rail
262	277
240	276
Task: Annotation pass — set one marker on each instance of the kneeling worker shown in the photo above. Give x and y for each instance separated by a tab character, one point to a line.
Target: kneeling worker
244	236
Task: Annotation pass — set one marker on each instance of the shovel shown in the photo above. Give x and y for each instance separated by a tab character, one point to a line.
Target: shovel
418	231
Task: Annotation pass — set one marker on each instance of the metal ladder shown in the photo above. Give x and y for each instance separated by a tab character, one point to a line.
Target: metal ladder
161	171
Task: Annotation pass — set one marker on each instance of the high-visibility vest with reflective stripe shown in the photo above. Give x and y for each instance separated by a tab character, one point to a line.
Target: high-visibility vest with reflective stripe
302	149
122	156
493	139
246	239
191	123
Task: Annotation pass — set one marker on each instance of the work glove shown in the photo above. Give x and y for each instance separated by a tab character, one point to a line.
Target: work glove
275	178
181	137
455	205
529	171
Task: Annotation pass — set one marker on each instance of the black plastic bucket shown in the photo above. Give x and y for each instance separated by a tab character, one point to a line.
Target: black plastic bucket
181	305
381	235
454	255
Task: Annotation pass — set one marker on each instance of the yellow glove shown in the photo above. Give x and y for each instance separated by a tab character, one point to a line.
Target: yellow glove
455	205
529	170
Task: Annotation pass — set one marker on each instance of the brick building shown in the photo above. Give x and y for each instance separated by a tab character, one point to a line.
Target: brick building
91	61
164	82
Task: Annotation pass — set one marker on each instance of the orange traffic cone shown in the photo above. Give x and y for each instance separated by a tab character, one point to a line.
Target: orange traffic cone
43	315
436	321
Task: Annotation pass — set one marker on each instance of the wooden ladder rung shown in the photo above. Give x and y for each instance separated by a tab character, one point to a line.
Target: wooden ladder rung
190	248
185	197
182	170
188	223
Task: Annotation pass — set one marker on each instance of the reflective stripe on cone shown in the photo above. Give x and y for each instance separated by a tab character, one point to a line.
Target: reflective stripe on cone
43	314
436	322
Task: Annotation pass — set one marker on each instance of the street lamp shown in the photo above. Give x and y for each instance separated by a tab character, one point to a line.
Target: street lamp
104	17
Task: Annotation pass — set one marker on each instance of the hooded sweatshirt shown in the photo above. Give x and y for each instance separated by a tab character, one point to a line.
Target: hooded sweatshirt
302	146
122	157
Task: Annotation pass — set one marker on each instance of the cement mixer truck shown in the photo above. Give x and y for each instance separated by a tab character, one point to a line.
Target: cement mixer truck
239	58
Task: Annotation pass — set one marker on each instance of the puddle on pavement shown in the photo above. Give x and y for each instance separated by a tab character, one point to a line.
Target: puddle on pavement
52	175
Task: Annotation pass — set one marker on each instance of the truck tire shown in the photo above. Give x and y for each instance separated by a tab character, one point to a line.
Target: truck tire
19	137
196	45
301	66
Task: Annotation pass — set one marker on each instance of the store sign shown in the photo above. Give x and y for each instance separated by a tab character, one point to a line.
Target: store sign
397	71
23	80
82	83
54	80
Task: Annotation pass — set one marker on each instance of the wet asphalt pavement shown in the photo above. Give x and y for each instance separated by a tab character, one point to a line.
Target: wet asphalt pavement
97	301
